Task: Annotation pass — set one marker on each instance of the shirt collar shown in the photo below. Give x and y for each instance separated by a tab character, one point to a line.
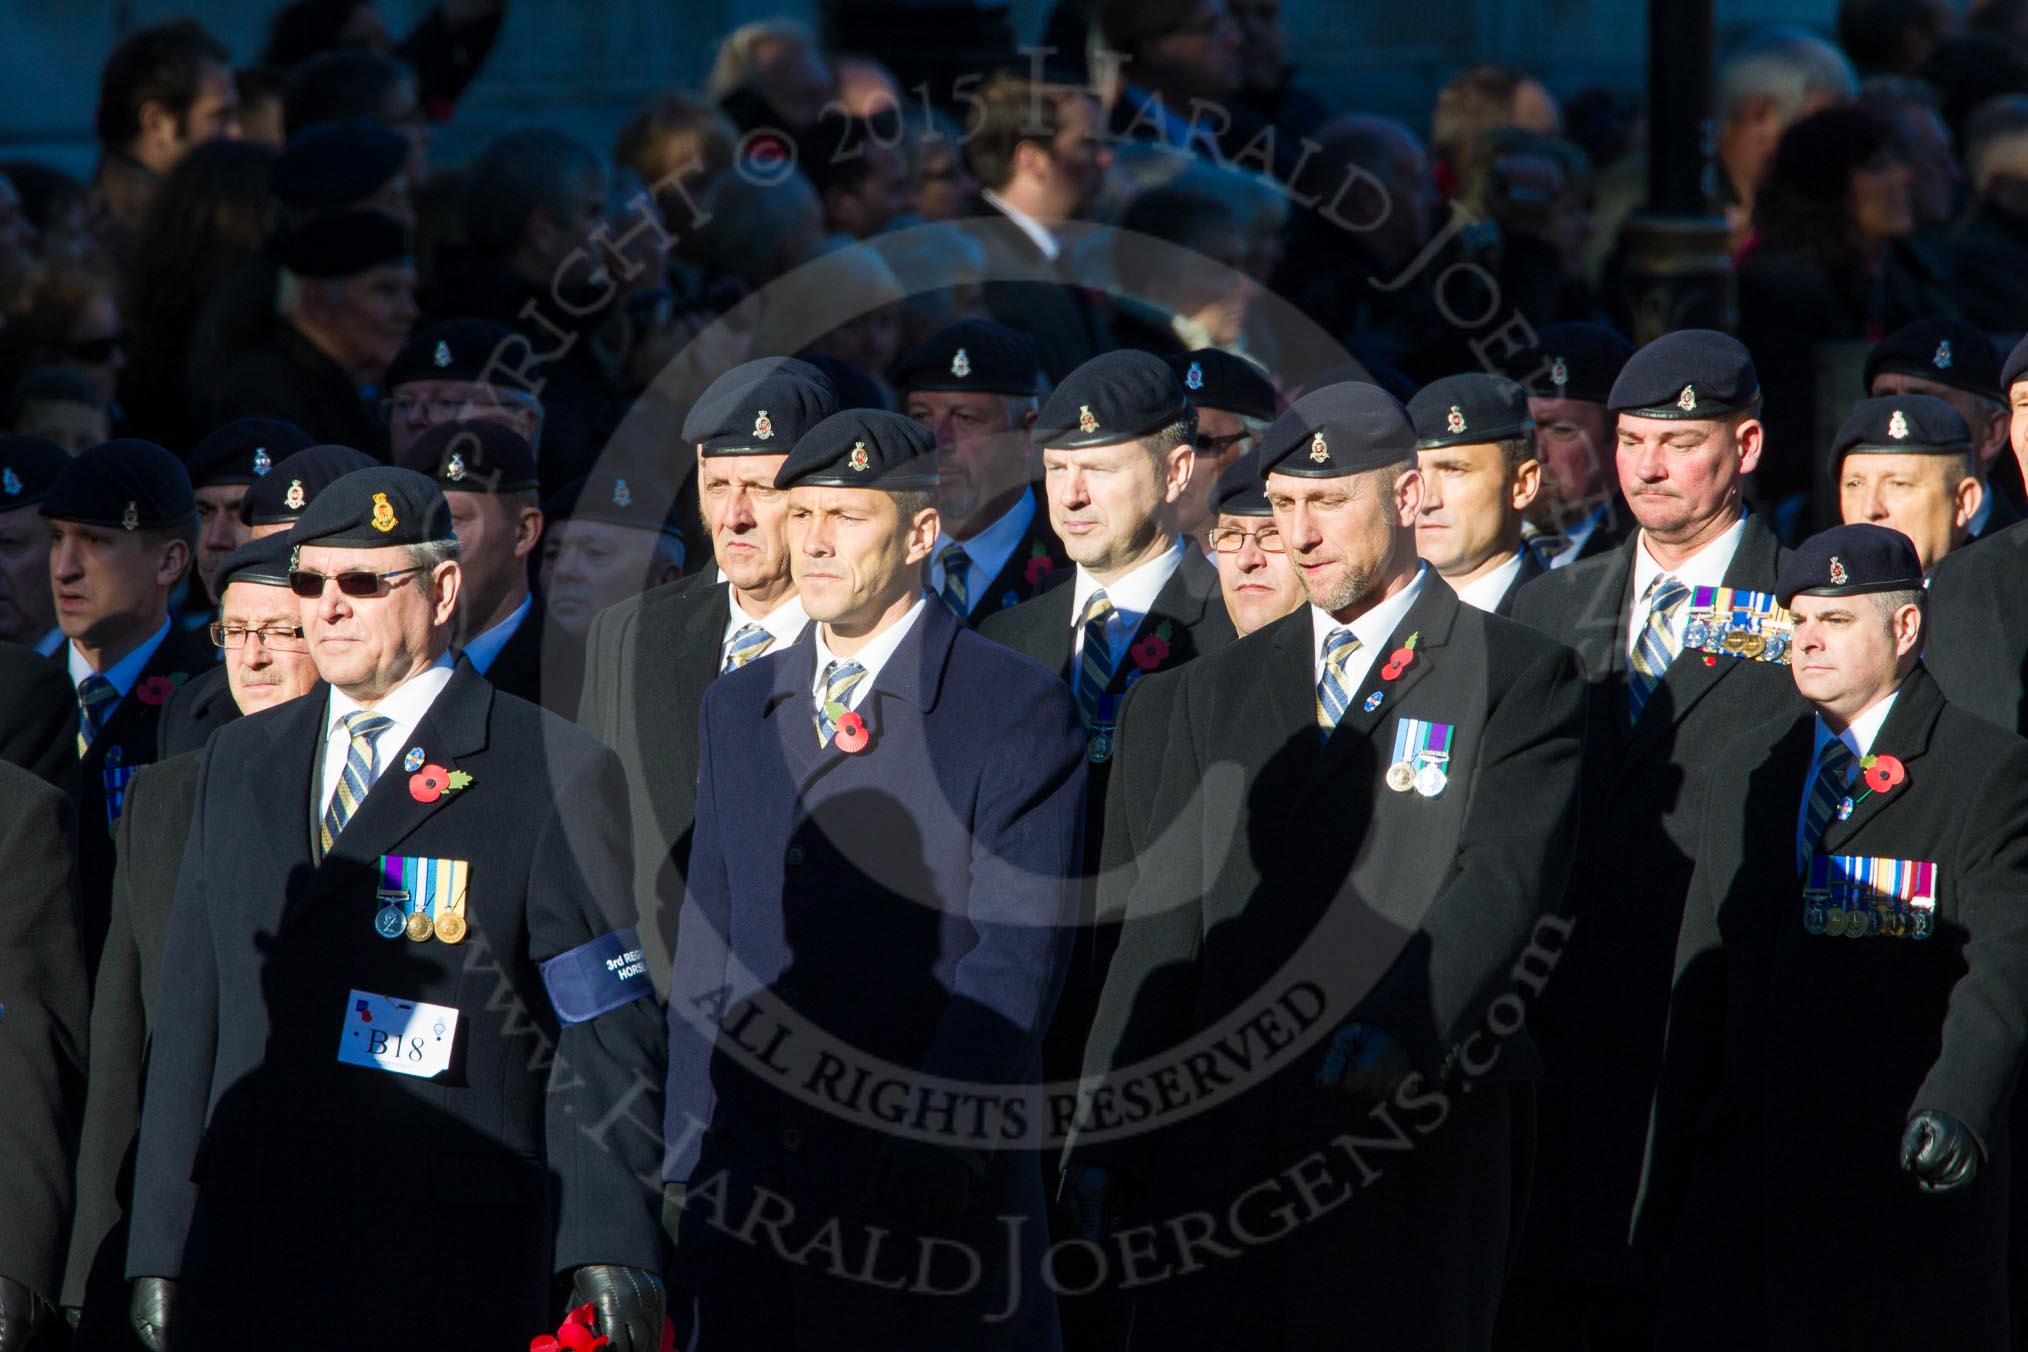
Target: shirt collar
485	648
1705	568
122	673
1133	595
50	642
1043	238
785	621
873	656
1487	592
1374	627
1861	733
405	704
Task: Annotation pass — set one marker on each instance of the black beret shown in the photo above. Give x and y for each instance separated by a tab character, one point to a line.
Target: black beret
617	499
760	407
973	354
1571	361
1691	373
28	466
1469	410
1214	378
2014	368
1948	351
1909	424
1114	397
264	561
863	448
243	450
1850	561
133	484
343	244
377	507
1242	489
278	499
336	163
461	349
473	457
1335	431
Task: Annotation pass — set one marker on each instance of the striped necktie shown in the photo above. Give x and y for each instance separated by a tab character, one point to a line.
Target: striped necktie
750	642
1095	666
1827	790
839	678
1545	542
96	697
957	595
1334	691
1657	646
362	728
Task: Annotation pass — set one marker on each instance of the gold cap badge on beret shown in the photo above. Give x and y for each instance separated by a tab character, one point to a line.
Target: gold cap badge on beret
1897	426
858	460
1455	421
295	499
1319	452
1838	574
1688	399
1087	421
763	430
383	513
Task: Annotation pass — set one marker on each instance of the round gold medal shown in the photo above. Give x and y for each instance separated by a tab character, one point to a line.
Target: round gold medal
419	926
1753	645
450	927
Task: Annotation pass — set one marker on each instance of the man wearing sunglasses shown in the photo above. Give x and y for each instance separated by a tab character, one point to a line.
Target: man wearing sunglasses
381	946
1254	573
1235	402
267	663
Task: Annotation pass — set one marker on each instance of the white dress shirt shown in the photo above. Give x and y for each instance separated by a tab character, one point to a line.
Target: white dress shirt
1132	596
1858	739
1705	568
1372	629
1490	590
785	622
873	657
1044	239
484	649
987	552
122	673
405	704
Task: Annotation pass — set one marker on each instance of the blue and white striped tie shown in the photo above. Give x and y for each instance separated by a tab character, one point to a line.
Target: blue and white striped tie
1657	646
750	642
1095	663
839	678
362	728
1827	790
1334	692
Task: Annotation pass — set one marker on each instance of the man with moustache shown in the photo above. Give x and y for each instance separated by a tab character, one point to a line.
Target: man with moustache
204	703
267	663
1400	820
1569	372
422	848
1683	646
649	660
1881	813
1475	446
1235	401
1255	577
223	469
1905	461
38	712
1954	361
880	867
974	386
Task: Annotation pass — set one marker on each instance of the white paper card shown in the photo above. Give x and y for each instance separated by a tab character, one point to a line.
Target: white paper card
404	1037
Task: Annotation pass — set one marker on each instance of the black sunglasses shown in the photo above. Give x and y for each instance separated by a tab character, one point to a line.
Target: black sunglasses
310	586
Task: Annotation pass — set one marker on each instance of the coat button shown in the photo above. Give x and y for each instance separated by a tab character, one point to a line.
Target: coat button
792	1139
795	855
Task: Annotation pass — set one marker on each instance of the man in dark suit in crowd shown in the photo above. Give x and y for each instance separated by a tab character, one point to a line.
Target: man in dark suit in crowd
204	703
267	662
463	370
1235	401
1569	371
1255	574
42	1048
882	871
223	467
122	522
1400	822
1475	445
411	811
1800	1069
1905	461
1683	645
606	539
650	660
974	385
1955	362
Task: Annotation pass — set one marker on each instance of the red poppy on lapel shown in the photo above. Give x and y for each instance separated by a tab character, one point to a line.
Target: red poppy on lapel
1398	660
428	784
154	690
1883	773
1152	651
852	736
1040	565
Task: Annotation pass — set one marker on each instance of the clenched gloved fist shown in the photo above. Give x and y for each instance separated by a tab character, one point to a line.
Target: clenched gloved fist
628	1303
1940	1151
149	1311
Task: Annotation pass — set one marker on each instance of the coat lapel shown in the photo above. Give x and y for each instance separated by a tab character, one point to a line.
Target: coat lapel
913	674
1905	735
1177	610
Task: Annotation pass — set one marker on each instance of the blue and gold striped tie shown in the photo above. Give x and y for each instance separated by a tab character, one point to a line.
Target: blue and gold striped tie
96	697
362	728
1334	692
1834	771
1545	542
1095	664
957	595
839	678
1657	646
750	642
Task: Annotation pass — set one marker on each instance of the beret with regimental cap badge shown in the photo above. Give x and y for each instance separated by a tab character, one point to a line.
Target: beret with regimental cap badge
862	448
972	355
473	457
264	561
1115	397
1215	378
244	451
1902	424
28	466
1574	360
1850	561
1336	431
1939	348
1686	375
278	499
1469	410
1241	490
475	350
376	508
760	407
124	483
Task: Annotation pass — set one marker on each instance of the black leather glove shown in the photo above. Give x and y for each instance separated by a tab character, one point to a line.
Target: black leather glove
1364	1063
150	1310
926	1186
19	1312
1093	1197
1940	1151
628	1303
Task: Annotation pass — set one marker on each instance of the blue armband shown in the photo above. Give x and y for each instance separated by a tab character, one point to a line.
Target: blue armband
598	977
